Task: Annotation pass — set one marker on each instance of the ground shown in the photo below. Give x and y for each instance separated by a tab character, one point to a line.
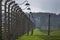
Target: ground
38	35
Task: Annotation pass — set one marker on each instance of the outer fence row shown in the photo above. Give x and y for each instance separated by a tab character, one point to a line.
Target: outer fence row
13	21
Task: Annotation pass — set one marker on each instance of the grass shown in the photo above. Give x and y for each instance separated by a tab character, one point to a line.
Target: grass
55	32
55	35
34	37
38	35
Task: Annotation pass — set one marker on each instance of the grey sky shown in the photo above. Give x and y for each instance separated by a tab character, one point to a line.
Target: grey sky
43	5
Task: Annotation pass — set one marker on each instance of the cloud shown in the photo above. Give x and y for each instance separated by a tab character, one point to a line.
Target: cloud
50	5
44	5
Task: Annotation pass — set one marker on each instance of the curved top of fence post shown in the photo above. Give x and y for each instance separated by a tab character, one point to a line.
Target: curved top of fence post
13	6
11	3
5	5
16	8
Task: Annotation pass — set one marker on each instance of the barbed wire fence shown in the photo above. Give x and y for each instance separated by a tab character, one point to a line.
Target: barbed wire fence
13	21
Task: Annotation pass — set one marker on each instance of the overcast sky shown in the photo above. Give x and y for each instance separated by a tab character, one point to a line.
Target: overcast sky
42	5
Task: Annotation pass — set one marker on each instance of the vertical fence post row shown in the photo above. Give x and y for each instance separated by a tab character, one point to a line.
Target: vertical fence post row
21	27
18	21
49	24
23	21
28	25
12	9
22	14
9	20
5	21
1	19
17	18
25	24
19	31
14	22
33	24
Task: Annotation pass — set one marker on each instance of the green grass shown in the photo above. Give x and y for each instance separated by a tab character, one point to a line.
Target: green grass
38	35
55	33
34	37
